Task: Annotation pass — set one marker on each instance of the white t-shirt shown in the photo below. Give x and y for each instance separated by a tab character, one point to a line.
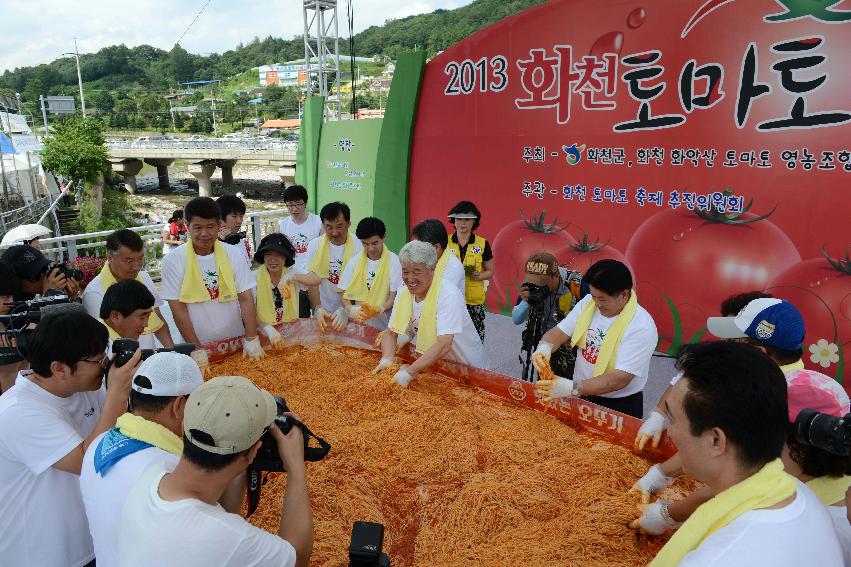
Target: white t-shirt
93	297
328	294
839	516
104	496
44	522
379	321
634	352
452	319
798	535
454	273
213	321
244	249
300	235
190	533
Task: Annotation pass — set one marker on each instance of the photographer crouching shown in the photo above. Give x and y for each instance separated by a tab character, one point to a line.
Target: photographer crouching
47	420
547	295
37	275
171	516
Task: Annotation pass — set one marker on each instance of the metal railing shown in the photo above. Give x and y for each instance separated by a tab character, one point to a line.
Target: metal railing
25	214
213	144
70	247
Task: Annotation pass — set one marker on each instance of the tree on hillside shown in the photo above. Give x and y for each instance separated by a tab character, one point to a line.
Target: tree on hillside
180	65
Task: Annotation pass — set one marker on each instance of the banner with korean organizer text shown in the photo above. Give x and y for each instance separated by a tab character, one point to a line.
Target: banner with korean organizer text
705	143
347	155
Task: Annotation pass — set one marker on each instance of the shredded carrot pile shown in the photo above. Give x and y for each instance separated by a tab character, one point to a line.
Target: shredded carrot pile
458	477
367	312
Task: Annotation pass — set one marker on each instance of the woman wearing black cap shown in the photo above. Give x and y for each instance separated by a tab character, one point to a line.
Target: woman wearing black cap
475	253
276	295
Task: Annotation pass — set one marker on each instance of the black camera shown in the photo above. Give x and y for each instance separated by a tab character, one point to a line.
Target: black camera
123	350
268	460
832	434
22	315
365	547
537	293
67	271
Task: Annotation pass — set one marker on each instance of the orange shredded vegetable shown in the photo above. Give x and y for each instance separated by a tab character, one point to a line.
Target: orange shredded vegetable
458	477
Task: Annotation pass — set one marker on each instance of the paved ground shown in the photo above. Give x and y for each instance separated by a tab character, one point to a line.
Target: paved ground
502	342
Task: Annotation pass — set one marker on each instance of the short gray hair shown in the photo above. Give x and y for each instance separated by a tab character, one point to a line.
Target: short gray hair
417	252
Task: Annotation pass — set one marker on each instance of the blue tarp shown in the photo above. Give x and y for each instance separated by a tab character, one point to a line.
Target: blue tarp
256	100
6	146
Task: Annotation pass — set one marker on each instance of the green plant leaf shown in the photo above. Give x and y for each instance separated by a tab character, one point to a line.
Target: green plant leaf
677	338
695	338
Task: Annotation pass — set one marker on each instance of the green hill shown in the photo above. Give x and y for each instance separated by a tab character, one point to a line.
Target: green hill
126	84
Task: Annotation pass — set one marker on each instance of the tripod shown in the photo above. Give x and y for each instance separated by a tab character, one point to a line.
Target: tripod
531	337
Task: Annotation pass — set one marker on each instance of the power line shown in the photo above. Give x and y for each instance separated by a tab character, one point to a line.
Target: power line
195	19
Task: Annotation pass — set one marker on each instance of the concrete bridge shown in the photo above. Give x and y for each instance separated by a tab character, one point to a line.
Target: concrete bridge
204	156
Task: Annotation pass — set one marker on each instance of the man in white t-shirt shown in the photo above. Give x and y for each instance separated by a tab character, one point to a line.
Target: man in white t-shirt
324	295
434	232
447	333
372	233
617	379
204	317
125	256
300	227
150	433
47	421
232	209
728	420
172	515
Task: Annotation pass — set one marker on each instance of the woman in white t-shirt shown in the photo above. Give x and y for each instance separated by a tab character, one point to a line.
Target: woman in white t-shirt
431	311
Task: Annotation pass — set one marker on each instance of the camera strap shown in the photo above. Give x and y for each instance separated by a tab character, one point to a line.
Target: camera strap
256	477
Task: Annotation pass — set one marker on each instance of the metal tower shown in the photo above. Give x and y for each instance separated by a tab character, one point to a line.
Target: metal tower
323	75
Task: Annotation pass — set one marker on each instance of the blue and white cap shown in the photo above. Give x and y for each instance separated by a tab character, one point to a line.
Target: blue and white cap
770	321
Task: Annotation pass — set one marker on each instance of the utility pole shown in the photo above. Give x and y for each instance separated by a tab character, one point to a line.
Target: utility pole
79	76
44	115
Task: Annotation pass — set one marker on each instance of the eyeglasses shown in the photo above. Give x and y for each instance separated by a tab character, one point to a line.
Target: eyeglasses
295	204
102	361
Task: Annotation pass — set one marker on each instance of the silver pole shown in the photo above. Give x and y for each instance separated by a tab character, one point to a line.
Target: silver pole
79	77
43	115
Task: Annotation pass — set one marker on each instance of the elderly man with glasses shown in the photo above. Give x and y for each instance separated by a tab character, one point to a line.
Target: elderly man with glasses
47	420
125	257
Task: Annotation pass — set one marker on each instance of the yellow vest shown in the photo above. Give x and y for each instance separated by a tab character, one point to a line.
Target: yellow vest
474	290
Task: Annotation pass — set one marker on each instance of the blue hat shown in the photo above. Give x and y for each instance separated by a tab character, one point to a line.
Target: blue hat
770	321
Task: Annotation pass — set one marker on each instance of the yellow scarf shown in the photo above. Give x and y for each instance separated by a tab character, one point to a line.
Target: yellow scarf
830	489
377	294
792	367
106	281
404	310
266	300
153	433
193	290
322	257
609	349
766	488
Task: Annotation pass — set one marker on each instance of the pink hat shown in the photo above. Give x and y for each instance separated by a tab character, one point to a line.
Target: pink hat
813	390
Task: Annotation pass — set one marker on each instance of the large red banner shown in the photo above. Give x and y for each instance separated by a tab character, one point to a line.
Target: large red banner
704	143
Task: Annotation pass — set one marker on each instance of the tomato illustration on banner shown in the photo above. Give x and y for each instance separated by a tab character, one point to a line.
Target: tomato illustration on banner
711	163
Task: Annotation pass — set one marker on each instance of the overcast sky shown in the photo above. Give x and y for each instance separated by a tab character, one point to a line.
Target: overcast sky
39	31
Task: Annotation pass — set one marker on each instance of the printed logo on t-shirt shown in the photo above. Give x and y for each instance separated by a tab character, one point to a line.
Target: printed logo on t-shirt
299	242
89	413
211	282
476	250
593	341
370	277
334	269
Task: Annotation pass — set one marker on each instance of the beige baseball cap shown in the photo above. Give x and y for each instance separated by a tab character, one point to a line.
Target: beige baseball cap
228	414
